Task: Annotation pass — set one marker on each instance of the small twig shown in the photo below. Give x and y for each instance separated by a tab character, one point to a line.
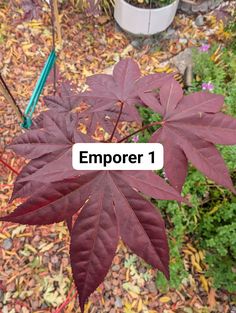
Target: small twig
9	167
67	301
139	130
53	43
117	122
57	21
9	97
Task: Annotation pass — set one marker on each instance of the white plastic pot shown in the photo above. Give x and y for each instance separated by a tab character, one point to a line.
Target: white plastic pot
141	21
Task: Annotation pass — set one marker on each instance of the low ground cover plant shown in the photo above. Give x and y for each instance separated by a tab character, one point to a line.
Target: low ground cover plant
210	224
100	207
216	228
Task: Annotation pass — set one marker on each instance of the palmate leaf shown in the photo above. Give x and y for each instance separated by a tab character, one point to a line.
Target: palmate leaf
125	86
109	90
119	87
67	100
147	87
49	148
106	119
107	204
101	206
191	127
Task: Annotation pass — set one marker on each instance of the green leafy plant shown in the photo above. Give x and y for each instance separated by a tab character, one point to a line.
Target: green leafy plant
218	233
150	3
210	223
176	232
219	68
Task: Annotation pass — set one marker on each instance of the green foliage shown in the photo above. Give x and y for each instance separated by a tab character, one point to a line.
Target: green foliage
150	3
106	6
218	237
221	74
231	28
161	3
148	117
210	222
229	154
214	229
206	71
219	269
173	214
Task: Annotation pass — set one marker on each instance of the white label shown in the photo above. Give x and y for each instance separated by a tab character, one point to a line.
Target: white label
117	156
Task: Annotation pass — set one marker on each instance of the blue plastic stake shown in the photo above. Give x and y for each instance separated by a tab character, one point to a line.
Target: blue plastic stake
38	90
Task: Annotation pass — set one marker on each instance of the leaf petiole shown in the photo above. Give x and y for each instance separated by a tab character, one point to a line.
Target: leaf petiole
117	121
139	130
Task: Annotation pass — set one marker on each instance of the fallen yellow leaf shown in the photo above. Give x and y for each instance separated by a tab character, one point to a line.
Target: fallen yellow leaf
140	306
204	283
164	299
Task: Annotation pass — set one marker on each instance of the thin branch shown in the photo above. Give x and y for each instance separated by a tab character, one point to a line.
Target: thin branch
57	21
9	167
53	43
68	300
6	185
9	97
117	121
139	130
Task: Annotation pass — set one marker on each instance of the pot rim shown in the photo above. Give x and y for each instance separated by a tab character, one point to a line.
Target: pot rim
148	9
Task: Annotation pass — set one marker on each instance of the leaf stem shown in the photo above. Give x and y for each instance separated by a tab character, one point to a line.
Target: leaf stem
139	130
69	224
117	121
